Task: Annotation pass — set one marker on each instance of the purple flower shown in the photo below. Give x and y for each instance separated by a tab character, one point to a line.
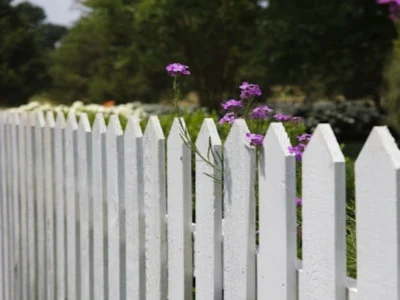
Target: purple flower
296	119
249	89
304	137
297	151
228	118
281	117
299	201
260	112
177	69
255	139
231	104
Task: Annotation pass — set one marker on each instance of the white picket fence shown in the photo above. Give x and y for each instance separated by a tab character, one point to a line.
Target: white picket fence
83	214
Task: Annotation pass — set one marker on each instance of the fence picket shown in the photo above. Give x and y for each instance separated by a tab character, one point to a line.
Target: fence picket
208	235
155	211
14	124
180	272
73	279
31	200
6	240
84	136
134	211
277	217
113	149
239	215
59	188
23	204
39	123
99	209
377	215
48	142
10	201
324	218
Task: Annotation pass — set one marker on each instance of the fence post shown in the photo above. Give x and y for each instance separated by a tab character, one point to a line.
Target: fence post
377	216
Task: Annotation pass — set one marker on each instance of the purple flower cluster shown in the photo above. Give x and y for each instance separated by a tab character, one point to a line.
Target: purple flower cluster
261	112
286	118
228	118
230	104
255	139
249	90
177	69
298	150
394	8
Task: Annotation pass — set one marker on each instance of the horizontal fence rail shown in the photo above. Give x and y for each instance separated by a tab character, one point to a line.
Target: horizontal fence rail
98	212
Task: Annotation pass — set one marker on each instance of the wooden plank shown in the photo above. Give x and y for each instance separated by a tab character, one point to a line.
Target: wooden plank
99	212
134	211
23	205
277	218
180	265
239	215
6	240
378	218
31	196
40	203
2	233
84	134
208	238
114	132
73	279
14	124
48	140
10	201
324	218
155	211
59	189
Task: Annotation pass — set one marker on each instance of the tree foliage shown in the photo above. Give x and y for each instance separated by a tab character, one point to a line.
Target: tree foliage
25	43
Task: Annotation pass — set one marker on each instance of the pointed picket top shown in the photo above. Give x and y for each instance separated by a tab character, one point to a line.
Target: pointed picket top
38	119
114	126
324	218
238	133
50	122
277	136
84	124
99	124
60	120
380	141
324	135
377	201
177	132
208	133
277	217
133	127
239	215
72	123
23	118
153	129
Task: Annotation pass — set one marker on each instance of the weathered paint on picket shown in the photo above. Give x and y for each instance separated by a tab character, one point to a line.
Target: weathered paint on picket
114	132
324	218
73	279
208	235
155	210
59	188
98	192
84	135
239	208
378	218
134	211
277	217
23	205
49	164
179	213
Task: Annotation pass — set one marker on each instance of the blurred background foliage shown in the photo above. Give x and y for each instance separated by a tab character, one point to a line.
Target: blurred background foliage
301	52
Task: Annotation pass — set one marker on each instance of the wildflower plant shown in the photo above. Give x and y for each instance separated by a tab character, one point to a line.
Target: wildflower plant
258	118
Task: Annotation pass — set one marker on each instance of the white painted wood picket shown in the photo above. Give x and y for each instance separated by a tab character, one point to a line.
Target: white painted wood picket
101	213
